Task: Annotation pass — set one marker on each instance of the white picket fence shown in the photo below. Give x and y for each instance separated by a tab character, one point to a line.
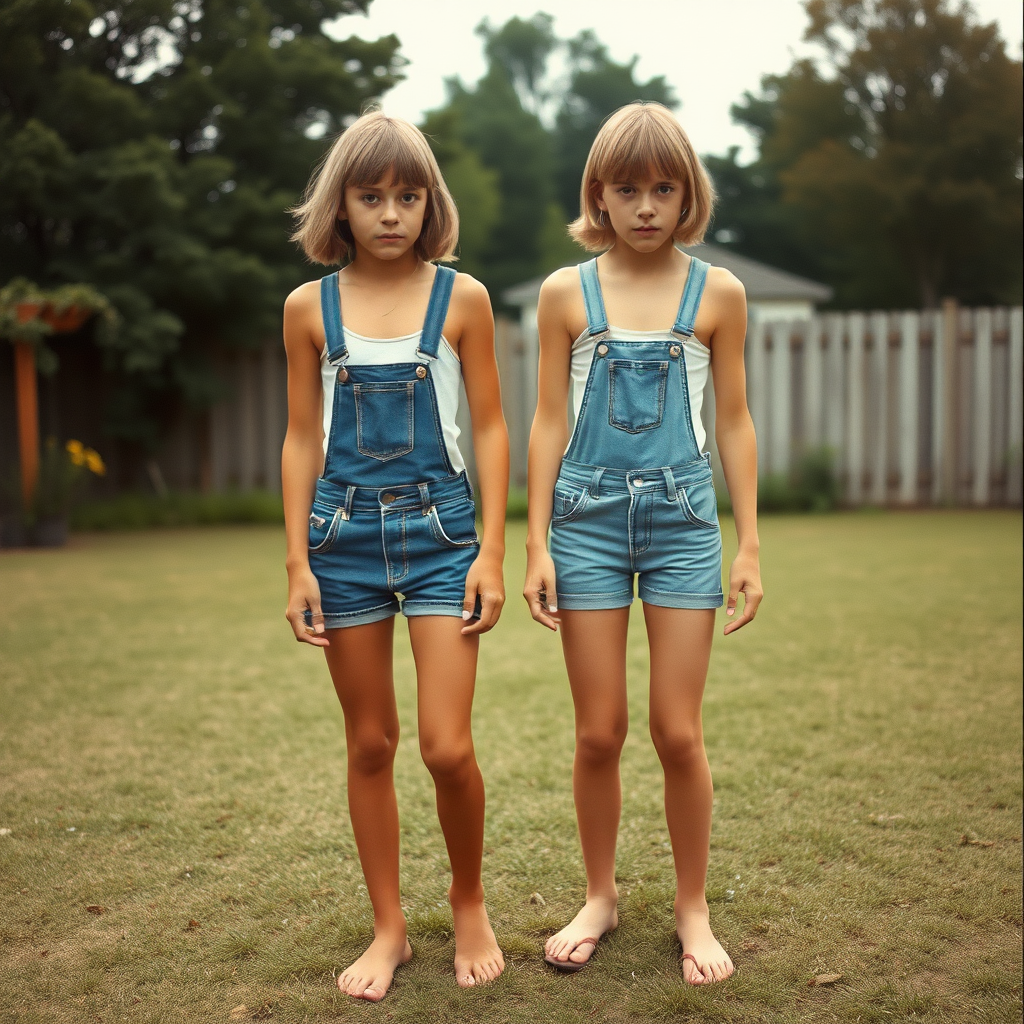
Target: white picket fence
919	407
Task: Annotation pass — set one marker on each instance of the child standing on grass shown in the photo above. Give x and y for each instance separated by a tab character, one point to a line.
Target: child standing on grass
377	504
630	493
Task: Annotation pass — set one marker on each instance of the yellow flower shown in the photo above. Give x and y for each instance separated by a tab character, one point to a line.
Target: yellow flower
94	462
77	452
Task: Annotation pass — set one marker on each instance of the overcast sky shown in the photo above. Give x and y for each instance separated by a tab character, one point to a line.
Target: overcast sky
710	51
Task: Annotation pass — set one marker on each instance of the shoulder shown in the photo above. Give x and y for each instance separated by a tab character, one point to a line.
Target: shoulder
303	299
561	291
725	287
467	289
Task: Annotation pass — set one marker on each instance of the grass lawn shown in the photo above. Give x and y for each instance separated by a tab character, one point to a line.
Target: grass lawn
174	841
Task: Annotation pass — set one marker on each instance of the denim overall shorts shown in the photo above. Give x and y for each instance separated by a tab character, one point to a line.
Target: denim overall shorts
634	494
390	516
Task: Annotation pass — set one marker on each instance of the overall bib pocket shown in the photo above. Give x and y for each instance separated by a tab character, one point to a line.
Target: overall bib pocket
453	524
636	393
385	418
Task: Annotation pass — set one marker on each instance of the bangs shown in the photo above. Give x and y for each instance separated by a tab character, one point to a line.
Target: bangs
387	152
645	148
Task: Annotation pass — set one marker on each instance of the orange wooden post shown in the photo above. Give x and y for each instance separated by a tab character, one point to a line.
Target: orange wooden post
27	392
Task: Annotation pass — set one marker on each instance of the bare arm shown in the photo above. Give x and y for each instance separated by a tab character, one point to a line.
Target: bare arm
490	445
302	456
737	446
548	438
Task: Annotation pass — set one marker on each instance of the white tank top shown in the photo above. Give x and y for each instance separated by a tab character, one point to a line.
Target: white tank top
446	373
696	356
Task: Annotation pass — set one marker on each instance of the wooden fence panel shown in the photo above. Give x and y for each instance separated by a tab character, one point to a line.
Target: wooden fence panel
917	406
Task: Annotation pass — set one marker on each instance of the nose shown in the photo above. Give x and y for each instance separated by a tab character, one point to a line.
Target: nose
389	214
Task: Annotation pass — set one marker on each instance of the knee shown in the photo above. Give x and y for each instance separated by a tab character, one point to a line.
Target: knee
598	745
679	746
370	752
447	760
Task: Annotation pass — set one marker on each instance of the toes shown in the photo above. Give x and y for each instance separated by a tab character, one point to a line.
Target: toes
691	974
582	953
373	993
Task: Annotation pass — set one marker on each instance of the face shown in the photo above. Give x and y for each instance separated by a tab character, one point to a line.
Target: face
385	218
643	213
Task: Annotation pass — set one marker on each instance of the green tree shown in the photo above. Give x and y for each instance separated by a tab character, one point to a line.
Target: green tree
473	186
510	141
151	148
896	159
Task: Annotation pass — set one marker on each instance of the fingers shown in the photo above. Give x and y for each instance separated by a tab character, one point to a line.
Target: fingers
491	603
734	593
751	599
542	607
304	633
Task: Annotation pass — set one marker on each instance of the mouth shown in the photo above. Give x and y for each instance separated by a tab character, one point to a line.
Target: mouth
646	230
389	238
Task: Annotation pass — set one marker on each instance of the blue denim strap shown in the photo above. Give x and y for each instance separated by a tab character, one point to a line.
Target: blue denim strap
690	301
597	319
670	483
437	312
330	310
594	487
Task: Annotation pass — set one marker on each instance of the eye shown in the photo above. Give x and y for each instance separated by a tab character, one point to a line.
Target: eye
409	198
627	190
370	199
665	190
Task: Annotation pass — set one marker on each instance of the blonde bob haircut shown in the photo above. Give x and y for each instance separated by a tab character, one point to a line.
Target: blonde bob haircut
375	148
636	141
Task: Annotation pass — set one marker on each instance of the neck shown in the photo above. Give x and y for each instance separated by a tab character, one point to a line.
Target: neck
368	267
624	257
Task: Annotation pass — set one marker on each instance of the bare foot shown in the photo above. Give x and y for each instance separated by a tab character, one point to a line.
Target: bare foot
576	942
713	964
370	976
478	958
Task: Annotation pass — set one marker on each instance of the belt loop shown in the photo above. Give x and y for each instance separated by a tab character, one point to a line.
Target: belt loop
350	493
469	484
595	483
670	484
424	498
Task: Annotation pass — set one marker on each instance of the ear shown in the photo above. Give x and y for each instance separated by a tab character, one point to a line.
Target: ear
341	214
597	192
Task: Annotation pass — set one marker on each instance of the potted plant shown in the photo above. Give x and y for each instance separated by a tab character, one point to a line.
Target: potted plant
63	472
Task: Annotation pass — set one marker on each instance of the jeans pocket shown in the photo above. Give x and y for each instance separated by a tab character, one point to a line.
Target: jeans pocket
453	524
323	530
567	503
385	414
636	393
700	504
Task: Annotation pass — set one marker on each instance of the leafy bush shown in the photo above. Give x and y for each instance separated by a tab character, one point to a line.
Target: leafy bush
812	486
143	511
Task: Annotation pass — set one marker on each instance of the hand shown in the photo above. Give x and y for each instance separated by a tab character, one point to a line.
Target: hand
745	578
303	593
484	579
539	590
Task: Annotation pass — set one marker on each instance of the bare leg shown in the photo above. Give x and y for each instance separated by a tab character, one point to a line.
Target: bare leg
594	644
446	675
680	641
360	660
